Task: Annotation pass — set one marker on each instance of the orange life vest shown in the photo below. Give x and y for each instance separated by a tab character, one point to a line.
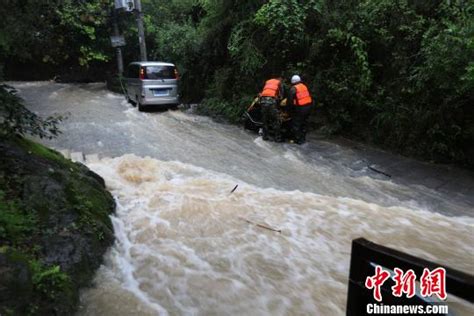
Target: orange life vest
271	88
303	97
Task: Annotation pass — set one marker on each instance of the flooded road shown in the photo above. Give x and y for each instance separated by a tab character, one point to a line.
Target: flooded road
187	246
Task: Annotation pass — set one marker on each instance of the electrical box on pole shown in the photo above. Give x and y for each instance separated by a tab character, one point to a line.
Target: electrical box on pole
136	7
127	5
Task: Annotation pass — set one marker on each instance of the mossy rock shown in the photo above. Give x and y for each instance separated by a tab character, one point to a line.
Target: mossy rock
54	228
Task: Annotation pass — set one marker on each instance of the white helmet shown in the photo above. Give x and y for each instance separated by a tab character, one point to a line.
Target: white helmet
295	79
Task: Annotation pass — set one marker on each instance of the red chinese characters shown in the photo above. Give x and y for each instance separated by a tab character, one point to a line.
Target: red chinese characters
431	283
376	282
434	282
404	283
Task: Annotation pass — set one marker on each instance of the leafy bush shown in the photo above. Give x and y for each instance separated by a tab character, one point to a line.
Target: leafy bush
51	282
230	111
14	223
16	119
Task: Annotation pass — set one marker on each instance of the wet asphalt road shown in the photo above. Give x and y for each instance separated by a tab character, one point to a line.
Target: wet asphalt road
101	122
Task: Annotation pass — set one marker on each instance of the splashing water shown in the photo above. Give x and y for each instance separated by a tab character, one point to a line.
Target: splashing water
186	245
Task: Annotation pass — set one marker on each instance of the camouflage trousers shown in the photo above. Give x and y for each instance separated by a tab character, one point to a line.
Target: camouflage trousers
271	118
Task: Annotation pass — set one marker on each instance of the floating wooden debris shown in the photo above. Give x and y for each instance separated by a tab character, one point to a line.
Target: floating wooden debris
261	225
378	171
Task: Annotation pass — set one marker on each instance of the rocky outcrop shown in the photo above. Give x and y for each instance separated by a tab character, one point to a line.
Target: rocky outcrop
54	229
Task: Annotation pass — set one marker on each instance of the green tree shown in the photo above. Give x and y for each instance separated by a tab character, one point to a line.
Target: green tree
399	74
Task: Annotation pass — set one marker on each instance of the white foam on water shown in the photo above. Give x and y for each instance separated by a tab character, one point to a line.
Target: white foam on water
53	95
125	104
187	246
183	117
131	111
111	95
262	143
291	156
28	84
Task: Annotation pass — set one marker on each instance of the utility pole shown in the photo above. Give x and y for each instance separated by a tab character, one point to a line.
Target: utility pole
141	30
118	49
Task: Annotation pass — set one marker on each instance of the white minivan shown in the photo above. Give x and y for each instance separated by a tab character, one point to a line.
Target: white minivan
152	84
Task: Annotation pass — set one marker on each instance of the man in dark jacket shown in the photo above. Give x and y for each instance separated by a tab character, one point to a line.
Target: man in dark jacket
299	104
270	98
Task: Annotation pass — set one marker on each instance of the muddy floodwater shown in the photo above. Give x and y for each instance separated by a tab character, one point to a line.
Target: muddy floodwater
186	245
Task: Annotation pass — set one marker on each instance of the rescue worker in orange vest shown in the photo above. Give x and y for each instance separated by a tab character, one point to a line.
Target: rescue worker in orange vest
300	104
270	98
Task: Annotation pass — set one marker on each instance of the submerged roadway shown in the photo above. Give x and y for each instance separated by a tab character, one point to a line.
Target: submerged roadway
101	122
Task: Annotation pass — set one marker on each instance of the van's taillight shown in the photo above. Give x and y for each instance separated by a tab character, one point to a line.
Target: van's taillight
142	73
176	73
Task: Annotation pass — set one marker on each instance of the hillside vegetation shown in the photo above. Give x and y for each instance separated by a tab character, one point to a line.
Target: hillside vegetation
399	74
54	218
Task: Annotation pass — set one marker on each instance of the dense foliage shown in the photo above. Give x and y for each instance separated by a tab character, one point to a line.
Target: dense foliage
53	37
17	120
398	73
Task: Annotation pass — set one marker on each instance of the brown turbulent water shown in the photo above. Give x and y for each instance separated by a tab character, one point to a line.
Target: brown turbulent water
184	243
187	246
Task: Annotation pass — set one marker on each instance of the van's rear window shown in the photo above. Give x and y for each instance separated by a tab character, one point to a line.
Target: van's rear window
160	72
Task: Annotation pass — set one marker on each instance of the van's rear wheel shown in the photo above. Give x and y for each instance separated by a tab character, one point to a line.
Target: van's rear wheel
140	106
